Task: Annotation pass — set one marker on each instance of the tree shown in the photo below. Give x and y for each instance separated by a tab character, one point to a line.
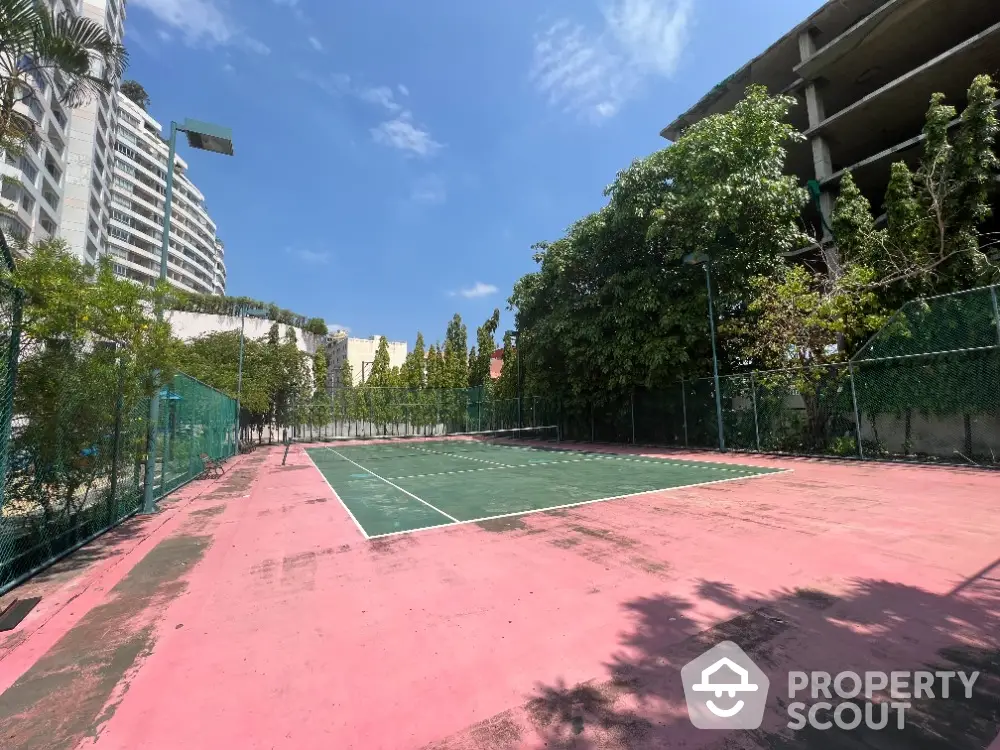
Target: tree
88	345
412	374
612	305
456	354
931	242
134	91
345	404
37	44
479	365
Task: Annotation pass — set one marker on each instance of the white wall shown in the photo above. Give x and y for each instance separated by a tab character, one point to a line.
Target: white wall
191	325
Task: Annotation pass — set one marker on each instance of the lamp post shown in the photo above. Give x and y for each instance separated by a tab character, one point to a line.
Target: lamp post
513	340
694	259
207	137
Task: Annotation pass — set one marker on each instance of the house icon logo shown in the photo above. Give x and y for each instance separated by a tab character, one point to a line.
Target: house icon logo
725	689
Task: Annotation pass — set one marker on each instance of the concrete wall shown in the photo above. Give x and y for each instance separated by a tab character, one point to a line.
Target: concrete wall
190	325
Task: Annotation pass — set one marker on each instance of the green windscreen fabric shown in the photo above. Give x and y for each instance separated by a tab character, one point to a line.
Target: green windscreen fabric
194	420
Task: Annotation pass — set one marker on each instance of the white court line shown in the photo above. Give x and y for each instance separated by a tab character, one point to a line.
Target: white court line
405	492
339	498
456	455
585	502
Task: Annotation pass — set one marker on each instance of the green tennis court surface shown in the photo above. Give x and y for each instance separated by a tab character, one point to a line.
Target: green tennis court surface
401	486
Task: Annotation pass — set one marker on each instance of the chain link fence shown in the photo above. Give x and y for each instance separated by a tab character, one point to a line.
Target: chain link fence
414	412
926	387
77	449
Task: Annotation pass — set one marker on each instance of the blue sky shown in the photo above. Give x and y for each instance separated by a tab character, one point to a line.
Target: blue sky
396	160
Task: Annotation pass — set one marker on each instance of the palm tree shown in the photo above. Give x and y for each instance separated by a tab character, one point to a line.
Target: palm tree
75	57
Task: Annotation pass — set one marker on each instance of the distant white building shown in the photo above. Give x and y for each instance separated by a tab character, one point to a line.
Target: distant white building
360	353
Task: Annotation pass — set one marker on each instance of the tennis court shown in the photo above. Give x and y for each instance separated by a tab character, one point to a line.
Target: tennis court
403	485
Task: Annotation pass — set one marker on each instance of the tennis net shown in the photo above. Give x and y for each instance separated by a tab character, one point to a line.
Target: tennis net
457	443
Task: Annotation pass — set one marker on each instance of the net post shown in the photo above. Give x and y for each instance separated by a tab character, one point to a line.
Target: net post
753	395
592	434
857	414
996	311
684	410
632	411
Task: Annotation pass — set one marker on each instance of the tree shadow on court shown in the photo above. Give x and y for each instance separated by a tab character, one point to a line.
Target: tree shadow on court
878	625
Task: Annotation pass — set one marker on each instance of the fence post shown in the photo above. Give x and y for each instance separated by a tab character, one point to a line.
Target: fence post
116	452
12	354
753	395
632	410
996	311
857	414
592	433
684	409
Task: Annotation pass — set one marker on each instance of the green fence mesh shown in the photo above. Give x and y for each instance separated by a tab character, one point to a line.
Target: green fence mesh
927	387
195	421
367	412
77	449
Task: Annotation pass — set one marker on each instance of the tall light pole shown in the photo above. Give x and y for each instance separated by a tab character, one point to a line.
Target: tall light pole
705	262
513	340
207	137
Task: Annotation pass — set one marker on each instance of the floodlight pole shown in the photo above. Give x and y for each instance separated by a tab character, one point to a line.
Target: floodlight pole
715	358
705	261
148	502
208	138
239	374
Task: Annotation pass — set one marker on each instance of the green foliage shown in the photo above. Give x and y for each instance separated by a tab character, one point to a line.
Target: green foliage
88	346
37	44
412	374
612	304
278	386
931	242
456	354
212	304
479	361
135	91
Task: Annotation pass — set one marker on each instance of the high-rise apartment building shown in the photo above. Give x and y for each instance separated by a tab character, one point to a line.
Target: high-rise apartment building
95	176
862	72
65	171
196	259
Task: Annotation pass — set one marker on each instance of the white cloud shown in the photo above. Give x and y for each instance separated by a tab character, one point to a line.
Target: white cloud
430	190
403	90
200	22
316	44
380	95
287	3
255	46
164	35
401	133
595	73
228	67
479	289
313	257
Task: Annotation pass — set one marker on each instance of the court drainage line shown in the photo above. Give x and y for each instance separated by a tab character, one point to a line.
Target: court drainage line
339	499
405	492
588	502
